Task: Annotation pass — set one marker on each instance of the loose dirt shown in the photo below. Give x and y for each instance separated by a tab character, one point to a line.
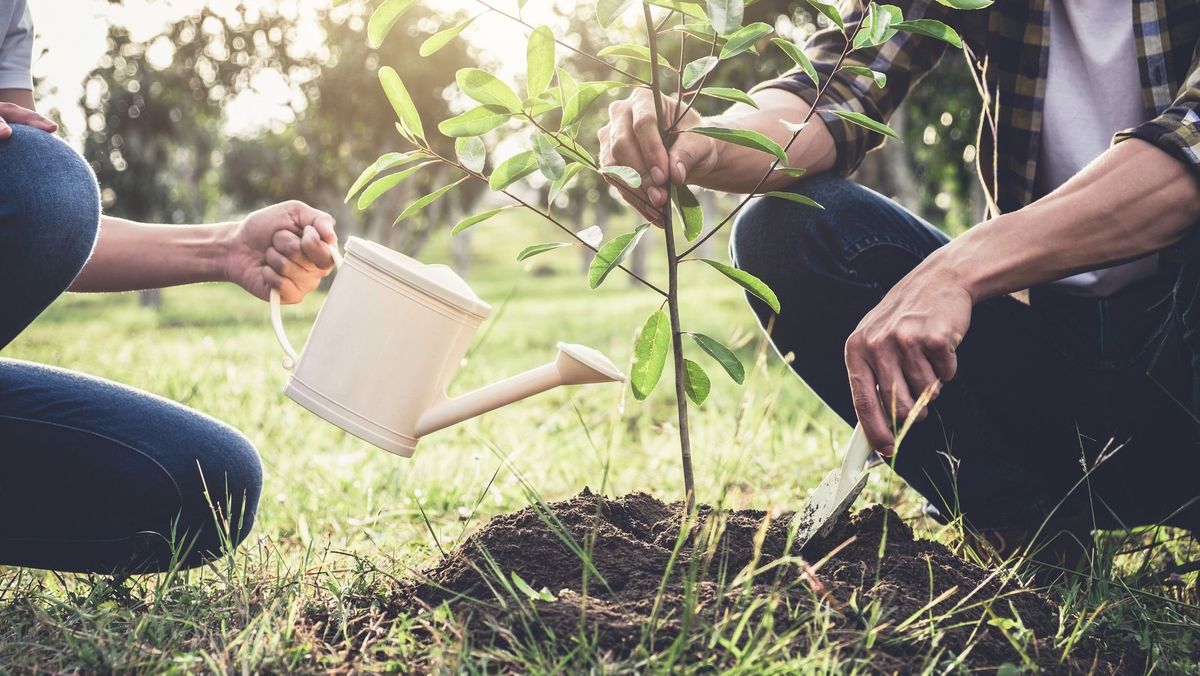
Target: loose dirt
869	591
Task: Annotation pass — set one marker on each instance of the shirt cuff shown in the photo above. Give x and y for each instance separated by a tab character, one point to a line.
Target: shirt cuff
1176	131
846	136
16	79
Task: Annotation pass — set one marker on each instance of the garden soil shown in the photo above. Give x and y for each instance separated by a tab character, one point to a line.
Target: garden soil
635	538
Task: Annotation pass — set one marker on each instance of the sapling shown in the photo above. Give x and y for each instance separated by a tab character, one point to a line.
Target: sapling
552	108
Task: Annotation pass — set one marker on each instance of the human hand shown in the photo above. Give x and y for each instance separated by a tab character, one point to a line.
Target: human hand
11	113
631	138
904	348
281	247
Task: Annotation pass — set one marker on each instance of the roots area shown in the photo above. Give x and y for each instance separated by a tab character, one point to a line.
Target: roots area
626	578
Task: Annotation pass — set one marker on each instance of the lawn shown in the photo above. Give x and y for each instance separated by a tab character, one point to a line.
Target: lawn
340	521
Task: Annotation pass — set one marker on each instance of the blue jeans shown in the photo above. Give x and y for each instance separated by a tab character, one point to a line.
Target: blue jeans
1042	389
95	476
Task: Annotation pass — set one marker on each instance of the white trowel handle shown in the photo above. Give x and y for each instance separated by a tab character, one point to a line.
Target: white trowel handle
291	358
857	452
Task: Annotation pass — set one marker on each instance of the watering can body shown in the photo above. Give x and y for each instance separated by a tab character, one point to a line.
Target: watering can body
388	340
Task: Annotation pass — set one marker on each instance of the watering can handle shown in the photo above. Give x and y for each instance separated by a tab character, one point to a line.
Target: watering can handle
291	358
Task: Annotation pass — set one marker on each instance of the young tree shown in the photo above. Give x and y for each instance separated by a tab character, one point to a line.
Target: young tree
552	108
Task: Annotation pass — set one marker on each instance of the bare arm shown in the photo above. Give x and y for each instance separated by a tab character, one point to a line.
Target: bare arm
1133	200
282	246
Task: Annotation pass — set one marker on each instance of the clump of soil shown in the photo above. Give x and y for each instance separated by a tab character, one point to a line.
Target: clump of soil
629	605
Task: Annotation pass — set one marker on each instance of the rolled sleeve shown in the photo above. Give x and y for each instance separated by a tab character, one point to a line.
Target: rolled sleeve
1177	129
904	59
16	51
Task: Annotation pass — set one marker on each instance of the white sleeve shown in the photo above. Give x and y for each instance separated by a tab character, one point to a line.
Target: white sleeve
16	50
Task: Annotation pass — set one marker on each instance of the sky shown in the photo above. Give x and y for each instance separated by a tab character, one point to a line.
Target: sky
68	44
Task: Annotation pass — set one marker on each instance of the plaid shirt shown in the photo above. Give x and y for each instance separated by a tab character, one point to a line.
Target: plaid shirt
1007	46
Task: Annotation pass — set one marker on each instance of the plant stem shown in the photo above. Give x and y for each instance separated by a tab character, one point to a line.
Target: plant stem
685	443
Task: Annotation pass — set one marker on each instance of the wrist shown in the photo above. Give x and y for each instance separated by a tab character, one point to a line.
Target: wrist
952	266
219	250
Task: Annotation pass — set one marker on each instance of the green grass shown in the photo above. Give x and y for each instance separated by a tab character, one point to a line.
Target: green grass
340	521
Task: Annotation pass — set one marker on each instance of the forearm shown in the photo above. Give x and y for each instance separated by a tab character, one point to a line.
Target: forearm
738	169
131	256
1132	201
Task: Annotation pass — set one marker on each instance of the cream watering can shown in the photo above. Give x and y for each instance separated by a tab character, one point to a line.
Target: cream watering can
389	339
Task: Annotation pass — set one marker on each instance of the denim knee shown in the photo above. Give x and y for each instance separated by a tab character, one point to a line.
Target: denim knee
52	209
221	490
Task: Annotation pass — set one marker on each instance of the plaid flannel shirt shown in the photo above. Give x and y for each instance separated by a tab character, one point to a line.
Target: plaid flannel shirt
1006	46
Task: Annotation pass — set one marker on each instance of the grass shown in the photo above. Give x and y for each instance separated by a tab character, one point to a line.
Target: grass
340	521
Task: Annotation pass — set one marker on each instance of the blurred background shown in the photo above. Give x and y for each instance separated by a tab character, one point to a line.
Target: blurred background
200	111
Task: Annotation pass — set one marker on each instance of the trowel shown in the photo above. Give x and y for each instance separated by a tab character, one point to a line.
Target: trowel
831	501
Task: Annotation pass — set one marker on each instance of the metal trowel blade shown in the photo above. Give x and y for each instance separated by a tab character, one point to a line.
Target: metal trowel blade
836	492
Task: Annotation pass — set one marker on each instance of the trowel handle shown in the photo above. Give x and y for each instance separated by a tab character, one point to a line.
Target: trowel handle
291	358
857	452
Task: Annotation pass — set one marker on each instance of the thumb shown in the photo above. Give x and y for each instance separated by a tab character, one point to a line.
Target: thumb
688	156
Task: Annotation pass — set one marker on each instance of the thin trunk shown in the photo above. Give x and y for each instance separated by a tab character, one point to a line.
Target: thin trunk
685	443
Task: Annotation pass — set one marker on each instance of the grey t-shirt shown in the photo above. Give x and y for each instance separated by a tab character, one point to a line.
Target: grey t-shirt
16	45
1093	90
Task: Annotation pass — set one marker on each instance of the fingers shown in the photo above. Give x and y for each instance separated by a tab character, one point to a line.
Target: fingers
652	153
919	374
289	293
294	280
15	114
5	130
315	248
864	391
691	155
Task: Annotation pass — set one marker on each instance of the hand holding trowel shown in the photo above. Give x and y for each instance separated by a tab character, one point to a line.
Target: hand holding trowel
836	492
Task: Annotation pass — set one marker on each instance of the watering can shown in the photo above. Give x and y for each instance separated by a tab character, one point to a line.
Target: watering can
388	340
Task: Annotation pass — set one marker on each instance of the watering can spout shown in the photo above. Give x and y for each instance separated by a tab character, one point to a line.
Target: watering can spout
574	365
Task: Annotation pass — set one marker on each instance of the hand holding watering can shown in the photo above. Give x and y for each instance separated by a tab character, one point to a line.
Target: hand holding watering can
389	339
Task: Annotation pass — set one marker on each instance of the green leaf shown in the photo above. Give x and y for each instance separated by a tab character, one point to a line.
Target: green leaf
967	4
543	595
475	122
435	42
695	382
931	28
688	8
572	151
830	10
557	186
583	97
611	254
425	201
382	20
878	78
864	121
540	248
877	27
539	58
726	15
650	354
748	282
376	189
401	102
745	38
794	172
696	70
487	89
383	163
628	175
689	211
512	170
801	59
631	51
471	153
743	137
729	94
723	356
472	220
793	197
607	11
549	162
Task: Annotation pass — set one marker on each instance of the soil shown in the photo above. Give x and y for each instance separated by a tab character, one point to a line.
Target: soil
834	582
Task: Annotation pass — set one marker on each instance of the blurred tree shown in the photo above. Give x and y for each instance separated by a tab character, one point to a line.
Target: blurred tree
337	132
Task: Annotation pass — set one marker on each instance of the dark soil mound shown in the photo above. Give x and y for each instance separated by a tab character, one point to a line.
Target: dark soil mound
875	607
